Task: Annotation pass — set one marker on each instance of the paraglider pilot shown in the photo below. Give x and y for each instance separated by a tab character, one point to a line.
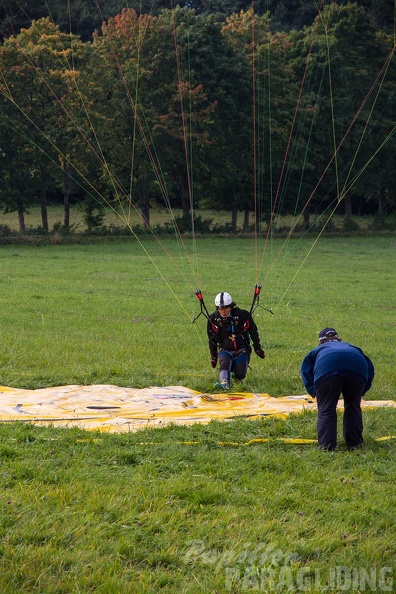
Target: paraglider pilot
329	370
230	330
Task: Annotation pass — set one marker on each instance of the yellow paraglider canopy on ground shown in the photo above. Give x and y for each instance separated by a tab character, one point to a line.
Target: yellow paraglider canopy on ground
116	409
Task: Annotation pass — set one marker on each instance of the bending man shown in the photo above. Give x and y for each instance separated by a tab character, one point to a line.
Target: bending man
331	369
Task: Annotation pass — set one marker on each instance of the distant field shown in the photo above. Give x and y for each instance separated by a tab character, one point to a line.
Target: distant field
157	217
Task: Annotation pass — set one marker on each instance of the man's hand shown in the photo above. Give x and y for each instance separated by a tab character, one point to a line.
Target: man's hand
260	353
213	362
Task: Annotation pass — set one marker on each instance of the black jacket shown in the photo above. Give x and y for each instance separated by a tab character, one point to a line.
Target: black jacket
232	333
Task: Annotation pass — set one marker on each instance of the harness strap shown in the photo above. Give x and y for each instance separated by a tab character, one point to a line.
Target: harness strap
233	337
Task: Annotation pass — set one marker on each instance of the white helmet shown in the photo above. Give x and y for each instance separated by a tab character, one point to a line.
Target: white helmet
223	300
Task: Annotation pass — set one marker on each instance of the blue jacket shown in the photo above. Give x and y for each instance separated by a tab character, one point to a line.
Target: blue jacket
335	358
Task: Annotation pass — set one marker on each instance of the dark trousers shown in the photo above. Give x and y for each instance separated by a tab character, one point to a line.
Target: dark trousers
328	393
237	362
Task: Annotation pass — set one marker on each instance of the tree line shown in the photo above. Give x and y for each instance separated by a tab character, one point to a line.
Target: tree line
83	17
185	109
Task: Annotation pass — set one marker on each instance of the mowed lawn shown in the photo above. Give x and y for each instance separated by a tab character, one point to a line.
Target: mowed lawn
122	312
225	507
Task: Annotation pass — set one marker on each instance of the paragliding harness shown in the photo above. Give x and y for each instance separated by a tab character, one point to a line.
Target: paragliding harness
255	304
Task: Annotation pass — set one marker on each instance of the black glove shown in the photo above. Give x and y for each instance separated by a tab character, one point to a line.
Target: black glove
213	362
260	353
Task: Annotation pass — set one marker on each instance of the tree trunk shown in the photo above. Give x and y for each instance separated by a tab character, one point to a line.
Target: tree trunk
348	206
66	200
44	212
246	219
381	201
185	202
144	204
21	219
234	218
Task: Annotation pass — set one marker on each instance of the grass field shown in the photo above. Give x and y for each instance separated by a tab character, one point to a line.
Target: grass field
108	312
172	510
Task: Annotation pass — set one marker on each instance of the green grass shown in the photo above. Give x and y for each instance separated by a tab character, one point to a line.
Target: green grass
146	512
113	313
172	510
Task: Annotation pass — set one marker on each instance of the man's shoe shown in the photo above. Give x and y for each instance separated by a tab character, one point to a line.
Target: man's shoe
356	447
325	448
223	385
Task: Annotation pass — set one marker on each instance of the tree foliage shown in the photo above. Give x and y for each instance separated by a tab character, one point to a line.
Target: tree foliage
184	108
